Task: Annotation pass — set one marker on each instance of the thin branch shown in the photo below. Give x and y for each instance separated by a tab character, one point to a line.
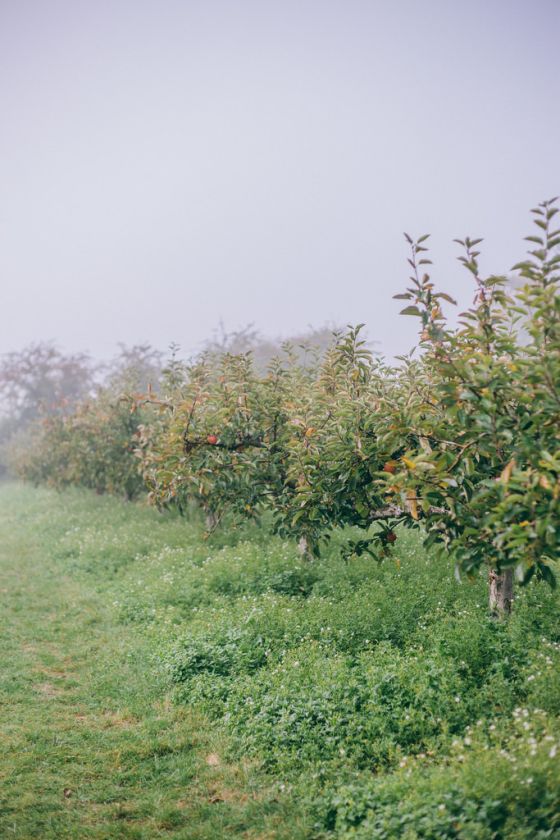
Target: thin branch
396	512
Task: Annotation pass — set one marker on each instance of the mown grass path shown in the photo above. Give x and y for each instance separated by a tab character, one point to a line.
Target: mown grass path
91	746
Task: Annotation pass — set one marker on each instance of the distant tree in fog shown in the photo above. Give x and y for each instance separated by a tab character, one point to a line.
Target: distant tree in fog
40	378
134	368
305	346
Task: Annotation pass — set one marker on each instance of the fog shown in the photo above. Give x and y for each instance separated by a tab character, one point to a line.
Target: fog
168	165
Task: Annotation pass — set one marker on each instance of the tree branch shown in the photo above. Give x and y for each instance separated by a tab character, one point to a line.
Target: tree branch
397	512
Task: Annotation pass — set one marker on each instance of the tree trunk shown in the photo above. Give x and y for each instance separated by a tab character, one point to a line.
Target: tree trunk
211	520
303	548
500	592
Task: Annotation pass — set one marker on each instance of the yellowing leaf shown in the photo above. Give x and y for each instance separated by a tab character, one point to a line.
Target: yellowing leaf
410	464
412	503
507	471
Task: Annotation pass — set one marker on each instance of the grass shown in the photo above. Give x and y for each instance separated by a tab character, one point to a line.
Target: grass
91	744
154	684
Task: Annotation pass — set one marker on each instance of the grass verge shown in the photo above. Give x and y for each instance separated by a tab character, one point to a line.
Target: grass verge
92	746
154	684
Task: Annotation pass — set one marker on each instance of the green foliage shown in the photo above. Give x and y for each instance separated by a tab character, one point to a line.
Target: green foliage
391	668
487	415
316	707
218	439
380	694
495	783
363	700
92	447
462	442
91	745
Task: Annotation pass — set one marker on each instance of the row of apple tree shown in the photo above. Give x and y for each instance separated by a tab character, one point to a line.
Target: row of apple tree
461	440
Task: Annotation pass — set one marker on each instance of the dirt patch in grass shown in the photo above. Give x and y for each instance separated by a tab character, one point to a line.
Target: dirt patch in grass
48	690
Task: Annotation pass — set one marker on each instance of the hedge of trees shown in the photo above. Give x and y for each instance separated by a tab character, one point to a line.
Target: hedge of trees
461	440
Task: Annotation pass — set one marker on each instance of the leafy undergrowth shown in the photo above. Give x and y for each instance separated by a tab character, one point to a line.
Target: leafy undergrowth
340	699
92	745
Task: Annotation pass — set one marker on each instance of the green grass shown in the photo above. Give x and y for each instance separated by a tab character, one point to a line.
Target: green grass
91	744
154	684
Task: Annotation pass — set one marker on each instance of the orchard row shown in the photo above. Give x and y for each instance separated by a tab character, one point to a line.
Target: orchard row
462	440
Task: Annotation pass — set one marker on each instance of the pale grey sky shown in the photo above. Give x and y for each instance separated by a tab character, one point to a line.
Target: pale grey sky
165	164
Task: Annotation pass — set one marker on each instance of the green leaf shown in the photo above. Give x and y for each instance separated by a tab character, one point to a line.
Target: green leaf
547	574
447	297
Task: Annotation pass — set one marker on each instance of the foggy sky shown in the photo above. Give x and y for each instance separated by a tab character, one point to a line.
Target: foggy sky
165	164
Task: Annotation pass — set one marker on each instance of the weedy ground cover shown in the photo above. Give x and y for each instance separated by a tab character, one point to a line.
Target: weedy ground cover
92	745
159	684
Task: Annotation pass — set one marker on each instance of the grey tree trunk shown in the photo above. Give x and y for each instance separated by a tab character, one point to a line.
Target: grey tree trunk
211	520
500	592
303	548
